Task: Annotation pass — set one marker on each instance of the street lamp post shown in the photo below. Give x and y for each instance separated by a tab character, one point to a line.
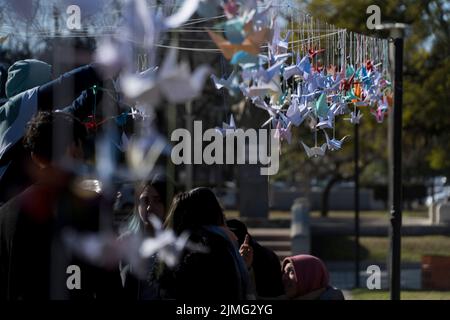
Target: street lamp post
357	255
395	160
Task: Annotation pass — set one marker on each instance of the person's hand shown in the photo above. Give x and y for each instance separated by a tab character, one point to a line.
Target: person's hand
246	252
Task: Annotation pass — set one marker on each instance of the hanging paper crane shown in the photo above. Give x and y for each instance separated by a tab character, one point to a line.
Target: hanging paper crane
231	83
355	116
227	128
334	144
315	151
312	53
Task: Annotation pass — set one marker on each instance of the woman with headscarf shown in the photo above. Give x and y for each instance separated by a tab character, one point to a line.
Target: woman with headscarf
305	277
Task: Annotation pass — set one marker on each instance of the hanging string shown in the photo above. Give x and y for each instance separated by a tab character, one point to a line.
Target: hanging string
315	137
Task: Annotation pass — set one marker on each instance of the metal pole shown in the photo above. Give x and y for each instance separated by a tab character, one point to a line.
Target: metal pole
356	150
396	158
357	257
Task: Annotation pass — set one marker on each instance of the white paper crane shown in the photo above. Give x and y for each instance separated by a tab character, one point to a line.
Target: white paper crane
315	151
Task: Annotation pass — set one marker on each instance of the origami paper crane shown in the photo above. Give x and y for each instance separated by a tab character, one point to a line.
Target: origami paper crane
305	98
260	19
260	90
314	82
283	133
346	84
318	68
234	30
326	123
331	83
251	44
334	144
279	45
302	66
294	114
276	117
272	58
312	53
349	71
173	81
231	83
267	74
361	103
285	98
315	151
332	70
124	142
355	116
379	114
167	245
227	128
369	66
364	77
245	60
103	250
381	110
260	103
274	112
321	108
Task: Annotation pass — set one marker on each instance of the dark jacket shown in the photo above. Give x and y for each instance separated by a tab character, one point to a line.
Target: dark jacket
212	276
139	281
266	264
267	270
33	256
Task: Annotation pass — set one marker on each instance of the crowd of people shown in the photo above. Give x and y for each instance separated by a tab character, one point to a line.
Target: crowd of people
42	198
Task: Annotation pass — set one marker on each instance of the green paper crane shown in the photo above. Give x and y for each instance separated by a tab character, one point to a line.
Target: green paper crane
322	106
349	71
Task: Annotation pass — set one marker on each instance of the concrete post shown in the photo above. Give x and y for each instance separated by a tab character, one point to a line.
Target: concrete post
300	227
443	213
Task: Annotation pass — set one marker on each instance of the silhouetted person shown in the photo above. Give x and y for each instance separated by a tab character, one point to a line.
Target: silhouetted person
265	264
33	254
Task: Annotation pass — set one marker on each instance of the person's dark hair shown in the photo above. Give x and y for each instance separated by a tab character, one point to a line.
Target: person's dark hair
39	134
239	229
160	183
193	209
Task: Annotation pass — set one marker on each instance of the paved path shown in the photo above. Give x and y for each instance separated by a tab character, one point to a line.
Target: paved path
345	226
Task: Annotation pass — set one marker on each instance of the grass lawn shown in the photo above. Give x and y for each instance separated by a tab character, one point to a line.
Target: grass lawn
364	294
340	248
